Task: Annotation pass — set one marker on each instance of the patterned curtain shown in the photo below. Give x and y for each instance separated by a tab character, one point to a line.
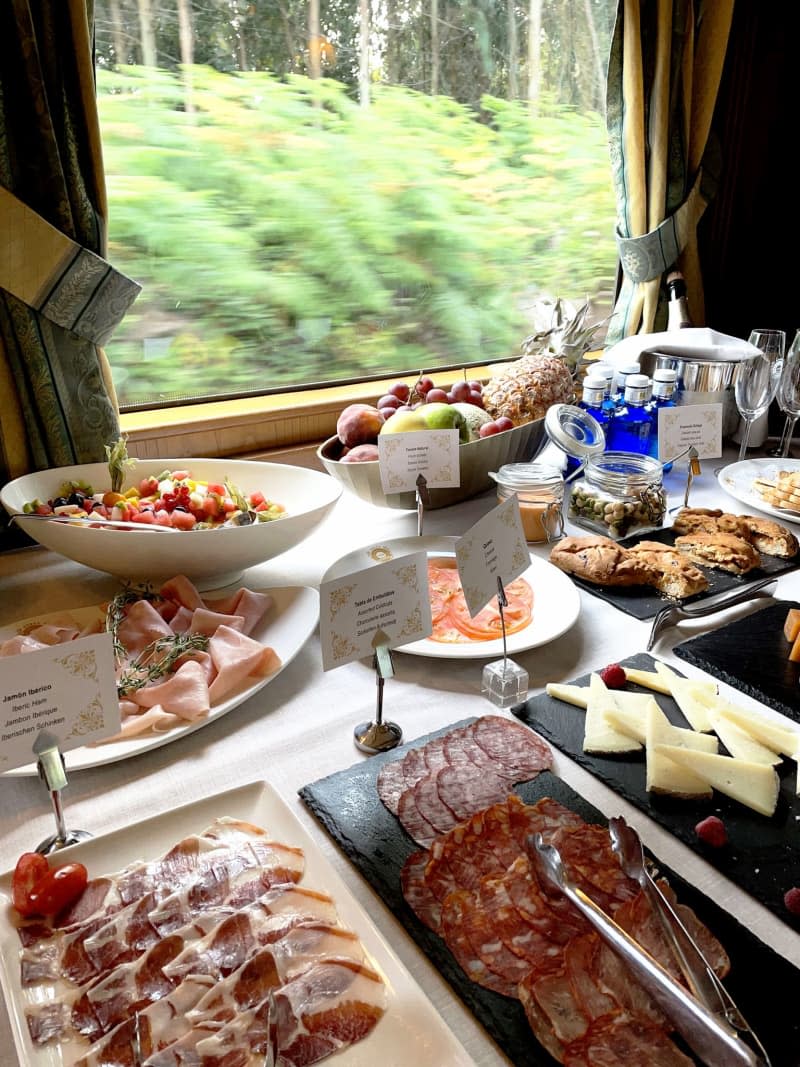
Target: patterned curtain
59	299
663	77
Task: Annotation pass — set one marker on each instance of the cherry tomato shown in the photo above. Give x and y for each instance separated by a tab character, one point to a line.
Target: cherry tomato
58	889
30	869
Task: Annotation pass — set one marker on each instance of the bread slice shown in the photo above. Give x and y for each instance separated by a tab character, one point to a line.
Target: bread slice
600	560
710	520
673	574
770	538
723	551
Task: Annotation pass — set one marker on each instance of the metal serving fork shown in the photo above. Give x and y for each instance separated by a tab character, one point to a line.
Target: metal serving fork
698	972
676	612
715	1041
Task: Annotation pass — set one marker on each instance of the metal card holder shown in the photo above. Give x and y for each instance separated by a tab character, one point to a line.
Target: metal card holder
52	771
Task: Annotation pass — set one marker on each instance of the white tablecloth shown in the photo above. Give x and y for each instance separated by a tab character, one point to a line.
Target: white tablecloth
299	728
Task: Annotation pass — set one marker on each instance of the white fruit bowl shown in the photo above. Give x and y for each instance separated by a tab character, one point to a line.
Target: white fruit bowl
476	459
210	558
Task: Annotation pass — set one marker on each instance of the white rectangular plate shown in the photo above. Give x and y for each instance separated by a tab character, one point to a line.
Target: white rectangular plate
411	1032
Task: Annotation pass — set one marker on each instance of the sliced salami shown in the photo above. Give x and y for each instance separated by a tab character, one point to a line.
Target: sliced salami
432	807
515	750
543	955
553	915
619	1041
465	790
456	914
556	997
413	821
391	783
416	892
593	864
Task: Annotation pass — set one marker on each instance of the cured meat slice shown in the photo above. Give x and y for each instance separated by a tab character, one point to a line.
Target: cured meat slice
154	720
555	996
181	590
271	967
592	863
552	914
204	621
252	606
416	892
464	790
539	1021
237	656
620	1041
580	958
614	978
542	954
544	817
185	693
141	626
457	913
412	820
431	806
391	784
516	751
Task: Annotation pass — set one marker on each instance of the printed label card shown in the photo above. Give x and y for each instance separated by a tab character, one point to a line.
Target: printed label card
431	453
68	691
690	424
494	547
386	604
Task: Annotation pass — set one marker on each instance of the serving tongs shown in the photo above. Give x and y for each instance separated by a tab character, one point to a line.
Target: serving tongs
707	1032
70	520
672	613
700	976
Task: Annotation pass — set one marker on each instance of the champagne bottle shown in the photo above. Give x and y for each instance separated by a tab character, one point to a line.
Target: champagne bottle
678	317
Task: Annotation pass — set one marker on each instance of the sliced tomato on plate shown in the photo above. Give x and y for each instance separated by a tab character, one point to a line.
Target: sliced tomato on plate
31	868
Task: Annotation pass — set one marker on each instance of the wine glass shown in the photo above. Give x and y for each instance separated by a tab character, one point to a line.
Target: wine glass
757	379
789	394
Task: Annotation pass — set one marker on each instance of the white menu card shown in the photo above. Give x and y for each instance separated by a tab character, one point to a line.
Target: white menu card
386	604
495	547
68	691
690	424
431	453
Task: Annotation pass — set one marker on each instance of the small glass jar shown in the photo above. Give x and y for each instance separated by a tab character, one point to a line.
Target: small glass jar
539	488
621	493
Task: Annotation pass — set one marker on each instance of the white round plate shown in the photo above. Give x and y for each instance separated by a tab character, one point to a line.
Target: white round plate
286	627
556	600
737	480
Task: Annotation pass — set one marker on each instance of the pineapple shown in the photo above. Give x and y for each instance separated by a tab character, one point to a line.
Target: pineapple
545	373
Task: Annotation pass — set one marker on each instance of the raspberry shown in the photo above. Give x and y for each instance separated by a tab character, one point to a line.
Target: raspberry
711	831
614	676
791	898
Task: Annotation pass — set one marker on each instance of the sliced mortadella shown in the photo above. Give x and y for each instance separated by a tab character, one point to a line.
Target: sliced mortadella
155	720
185	693
247	602
20	643
181	589
236	656
207	622
181	621
56	632
142	625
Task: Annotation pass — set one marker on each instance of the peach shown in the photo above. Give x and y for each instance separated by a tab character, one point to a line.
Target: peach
359	424
360	454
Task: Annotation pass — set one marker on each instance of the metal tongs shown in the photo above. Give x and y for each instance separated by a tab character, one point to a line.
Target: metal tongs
705	1028
673	613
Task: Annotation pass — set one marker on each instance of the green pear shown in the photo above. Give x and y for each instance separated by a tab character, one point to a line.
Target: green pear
445	417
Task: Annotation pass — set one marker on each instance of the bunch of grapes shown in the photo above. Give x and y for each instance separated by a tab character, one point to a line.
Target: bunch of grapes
402	397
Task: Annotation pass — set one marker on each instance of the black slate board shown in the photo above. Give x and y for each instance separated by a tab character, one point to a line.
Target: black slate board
643	602
348	807
762	856
752	655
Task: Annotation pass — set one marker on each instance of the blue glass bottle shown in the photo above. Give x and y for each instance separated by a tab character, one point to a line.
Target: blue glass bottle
632	425
605	371
592	400
664	386
618	390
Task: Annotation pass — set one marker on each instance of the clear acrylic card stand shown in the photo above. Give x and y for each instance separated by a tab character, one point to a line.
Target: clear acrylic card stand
504	682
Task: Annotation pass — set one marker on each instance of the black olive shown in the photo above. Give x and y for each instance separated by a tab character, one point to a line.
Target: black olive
244	518
60	502
76	498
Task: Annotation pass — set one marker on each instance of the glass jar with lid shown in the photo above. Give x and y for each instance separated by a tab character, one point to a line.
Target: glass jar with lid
539	488
621	493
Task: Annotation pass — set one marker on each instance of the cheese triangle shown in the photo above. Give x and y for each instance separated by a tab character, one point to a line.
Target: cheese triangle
752	784
741	744
688	695
664	775
599	735
774	731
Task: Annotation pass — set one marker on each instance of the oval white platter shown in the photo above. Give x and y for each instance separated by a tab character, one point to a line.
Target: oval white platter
737	481
556	600
287	625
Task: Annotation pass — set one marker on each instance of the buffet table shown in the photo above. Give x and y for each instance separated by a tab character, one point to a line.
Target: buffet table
299	728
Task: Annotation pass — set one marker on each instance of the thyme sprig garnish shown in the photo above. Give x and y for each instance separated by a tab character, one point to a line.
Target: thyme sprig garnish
115	613
158	659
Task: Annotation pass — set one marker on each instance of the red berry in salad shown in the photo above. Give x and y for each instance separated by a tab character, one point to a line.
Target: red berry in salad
711	831
791	898
614	676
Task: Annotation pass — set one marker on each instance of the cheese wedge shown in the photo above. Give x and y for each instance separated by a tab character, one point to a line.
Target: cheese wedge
599	735
664	775
632	720
741	744
579	696
689	695
752	784
647	679
775	731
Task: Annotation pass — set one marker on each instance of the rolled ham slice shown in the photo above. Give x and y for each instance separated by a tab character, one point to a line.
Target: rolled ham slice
185	693
141	626
237	656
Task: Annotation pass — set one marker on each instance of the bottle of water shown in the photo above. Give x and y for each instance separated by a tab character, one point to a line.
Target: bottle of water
664	386
632	425
618	389
606	372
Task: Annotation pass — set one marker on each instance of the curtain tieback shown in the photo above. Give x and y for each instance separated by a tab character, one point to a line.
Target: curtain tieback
66	283
649	256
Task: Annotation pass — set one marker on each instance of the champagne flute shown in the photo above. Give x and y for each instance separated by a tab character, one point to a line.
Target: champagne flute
789	395
757	379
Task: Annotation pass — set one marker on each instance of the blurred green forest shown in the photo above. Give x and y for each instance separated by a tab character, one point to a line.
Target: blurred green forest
285	234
